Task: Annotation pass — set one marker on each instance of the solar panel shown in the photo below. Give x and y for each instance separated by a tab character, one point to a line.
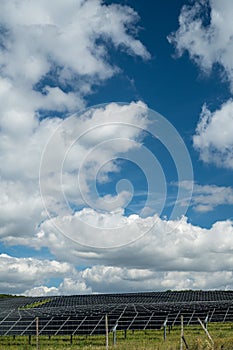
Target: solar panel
85	314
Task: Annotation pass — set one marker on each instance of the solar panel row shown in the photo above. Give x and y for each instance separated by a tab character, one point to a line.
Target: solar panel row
86	314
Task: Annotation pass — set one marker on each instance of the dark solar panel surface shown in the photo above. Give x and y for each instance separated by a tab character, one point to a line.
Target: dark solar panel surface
85	314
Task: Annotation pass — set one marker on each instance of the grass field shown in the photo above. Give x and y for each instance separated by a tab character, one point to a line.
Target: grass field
222	335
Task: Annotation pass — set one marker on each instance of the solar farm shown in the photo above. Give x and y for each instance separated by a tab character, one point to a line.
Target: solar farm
86	315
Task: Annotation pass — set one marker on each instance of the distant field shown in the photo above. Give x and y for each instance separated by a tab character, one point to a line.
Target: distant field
222	335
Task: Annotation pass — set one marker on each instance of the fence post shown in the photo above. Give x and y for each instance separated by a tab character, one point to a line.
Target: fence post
206	322
182	338
181	332
114	333
164	330
106	329
37	333
206	332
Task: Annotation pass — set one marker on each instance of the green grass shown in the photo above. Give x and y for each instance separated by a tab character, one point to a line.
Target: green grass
139	340
36	304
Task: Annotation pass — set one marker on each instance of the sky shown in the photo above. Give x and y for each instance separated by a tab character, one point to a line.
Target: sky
116	146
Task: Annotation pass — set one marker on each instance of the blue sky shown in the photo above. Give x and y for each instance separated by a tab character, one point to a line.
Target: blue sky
174	87
126	58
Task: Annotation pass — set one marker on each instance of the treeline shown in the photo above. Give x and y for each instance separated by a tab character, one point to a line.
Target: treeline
8	296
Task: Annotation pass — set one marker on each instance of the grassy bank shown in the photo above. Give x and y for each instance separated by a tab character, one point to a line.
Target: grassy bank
138	340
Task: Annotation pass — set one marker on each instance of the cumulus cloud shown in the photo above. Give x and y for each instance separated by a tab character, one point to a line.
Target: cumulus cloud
51	56
207	197
115	279
110	279
172	255
18	274
206	32
157	244
166	245
67	40
69	286
77	150
89	144
213	138
20	209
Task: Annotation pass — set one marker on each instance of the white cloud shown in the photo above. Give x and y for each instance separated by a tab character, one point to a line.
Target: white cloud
207	197
43	36
69	286
110	279
21	210
51	56
30	276
167	245
206	32
213	138
18	274
50	46
44	48
173	255
87	148
21	204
